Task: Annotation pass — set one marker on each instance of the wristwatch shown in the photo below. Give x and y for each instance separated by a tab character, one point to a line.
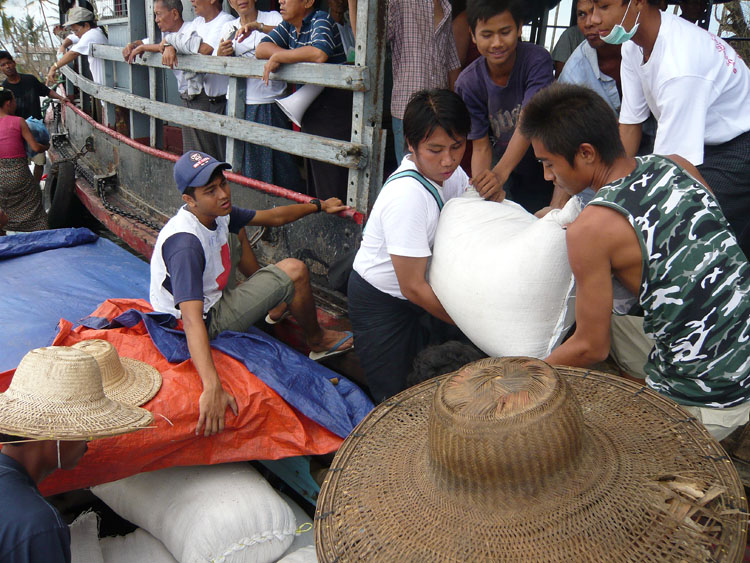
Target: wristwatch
316	202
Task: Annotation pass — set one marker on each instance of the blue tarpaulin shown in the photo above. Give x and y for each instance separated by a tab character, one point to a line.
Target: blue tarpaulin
301	382
63	273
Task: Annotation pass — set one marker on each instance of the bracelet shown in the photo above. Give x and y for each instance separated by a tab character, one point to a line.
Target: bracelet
316	202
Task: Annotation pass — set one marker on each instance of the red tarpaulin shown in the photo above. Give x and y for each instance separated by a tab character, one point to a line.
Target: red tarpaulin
266	427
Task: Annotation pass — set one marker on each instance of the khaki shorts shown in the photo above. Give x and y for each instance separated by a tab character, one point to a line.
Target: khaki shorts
720	423
40	159
242	305
630	348
629	345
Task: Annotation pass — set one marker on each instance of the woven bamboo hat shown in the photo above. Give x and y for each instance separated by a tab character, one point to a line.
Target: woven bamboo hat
56	394
125	380
512	460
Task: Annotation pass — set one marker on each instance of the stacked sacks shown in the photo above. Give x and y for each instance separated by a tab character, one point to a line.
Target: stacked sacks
135	547
223	512
503	275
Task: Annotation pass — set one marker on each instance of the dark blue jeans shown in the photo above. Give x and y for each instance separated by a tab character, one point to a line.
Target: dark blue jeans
388	334
726	169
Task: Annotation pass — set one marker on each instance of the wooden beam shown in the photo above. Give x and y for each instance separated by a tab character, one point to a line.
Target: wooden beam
346	77
340	153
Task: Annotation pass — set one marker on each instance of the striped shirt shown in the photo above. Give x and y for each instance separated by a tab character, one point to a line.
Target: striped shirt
423	54
318	30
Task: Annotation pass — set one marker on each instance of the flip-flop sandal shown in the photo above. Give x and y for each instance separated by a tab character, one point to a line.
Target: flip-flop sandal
334	350
270	321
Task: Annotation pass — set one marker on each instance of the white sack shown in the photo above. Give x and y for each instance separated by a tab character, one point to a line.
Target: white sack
304	555
503	275
304	536
138	547
223	513
84	539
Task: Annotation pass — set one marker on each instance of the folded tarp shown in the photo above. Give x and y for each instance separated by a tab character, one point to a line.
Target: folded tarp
63	273
267	427
303	383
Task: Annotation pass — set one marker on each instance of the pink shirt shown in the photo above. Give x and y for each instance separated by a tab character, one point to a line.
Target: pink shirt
11	140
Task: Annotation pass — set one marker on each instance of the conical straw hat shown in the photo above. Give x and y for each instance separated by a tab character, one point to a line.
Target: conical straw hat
56	394
125	380
512	460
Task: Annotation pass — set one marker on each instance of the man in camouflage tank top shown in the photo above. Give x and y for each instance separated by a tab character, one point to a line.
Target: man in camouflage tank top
655	227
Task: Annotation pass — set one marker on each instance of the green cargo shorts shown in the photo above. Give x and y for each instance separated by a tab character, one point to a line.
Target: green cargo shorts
242	305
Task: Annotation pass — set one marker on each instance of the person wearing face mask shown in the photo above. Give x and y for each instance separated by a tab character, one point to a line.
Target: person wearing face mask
54	405
698	89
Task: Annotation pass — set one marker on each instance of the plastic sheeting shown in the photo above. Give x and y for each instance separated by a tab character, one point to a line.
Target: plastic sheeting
267	427
303	383
65	273
299	407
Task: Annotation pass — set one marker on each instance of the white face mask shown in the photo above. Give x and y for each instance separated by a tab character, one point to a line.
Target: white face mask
618	35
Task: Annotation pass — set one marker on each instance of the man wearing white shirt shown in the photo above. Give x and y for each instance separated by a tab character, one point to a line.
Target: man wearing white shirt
81	22
168	16
241	37
207	25
698	89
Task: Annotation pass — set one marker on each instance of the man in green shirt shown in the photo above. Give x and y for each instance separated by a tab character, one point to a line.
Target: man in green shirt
655	227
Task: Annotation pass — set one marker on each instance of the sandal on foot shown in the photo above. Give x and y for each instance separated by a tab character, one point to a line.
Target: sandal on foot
334	350
270	321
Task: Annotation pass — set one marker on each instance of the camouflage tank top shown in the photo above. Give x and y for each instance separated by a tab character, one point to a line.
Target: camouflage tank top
695	284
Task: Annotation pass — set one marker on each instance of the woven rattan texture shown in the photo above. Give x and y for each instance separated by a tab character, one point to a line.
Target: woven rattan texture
633	493
56	394
125	380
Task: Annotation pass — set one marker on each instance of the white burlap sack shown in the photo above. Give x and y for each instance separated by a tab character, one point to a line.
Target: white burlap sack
84	539
503	275
138	547
304	536
223	513
303	555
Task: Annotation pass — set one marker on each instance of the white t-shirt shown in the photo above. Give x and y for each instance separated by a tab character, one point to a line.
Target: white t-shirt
403	222
694	83
210	32
256	92
93	36
215	253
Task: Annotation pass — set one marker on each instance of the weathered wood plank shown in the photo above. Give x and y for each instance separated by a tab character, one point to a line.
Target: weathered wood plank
341	153
346	77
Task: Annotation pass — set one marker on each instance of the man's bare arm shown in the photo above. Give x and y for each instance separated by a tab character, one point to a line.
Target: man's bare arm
289	213
214	399
517	147
630	135
589	259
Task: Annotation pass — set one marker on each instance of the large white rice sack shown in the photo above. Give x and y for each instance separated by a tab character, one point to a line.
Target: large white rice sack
304	536
84	539
503	275
138	547
303	555
223	513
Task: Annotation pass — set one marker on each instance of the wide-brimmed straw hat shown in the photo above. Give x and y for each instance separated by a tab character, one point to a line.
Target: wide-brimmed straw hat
125	380
56	394
511	460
